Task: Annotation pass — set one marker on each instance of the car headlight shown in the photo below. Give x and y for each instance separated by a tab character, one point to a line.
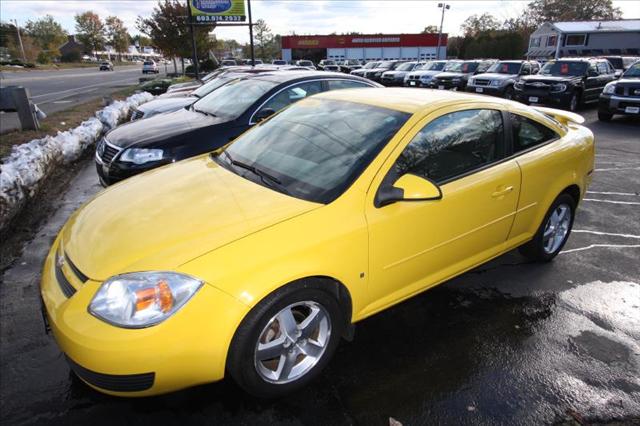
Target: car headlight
609	88
426	77
518	85
560	87
495	83
141	155
142	299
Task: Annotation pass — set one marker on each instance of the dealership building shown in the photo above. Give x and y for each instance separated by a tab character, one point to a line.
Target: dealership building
363	47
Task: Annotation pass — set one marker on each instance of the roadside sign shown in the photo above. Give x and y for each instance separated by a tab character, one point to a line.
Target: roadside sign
204	11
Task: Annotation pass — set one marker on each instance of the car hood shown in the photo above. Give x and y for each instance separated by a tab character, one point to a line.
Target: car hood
628	80
425	72
183	86
166	105
495	76
160	127
453	74
548	79
164	218
179	93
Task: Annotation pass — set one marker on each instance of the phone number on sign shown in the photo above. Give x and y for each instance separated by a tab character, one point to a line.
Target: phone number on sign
214	18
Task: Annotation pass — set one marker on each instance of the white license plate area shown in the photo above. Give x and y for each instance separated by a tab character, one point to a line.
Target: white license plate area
632	110
441	87
412	83
533	99
479	90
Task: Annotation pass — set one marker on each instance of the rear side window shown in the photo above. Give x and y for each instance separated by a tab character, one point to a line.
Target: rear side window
346	84
446	148
603	68
528	133
293	94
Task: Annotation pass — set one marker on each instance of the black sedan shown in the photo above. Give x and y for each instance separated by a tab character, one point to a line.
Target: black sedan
209	123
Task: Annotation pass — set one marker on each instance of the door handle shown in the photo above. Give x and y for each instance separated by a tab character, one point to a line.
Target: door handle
502	192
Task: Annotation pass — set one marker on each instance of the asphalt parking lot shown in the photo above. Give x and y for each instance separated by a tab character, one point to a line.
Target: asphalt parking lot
507	343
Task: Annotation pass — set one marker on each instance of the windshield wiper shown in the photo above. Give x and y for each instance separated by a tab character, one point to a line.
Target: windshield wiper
210	114
264	176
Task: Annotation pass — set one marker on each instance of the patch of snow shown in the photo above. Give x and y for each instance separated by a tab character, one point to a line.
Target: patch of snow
25	168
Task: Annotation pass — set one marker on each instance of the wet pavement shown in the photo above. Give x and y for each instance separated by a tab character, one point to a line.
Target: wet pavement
510	342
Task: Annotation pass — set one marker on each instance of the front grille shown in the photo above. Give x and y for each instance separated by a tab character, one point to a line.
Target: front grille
619	90
537	86
79	275
136	114
482	82
67	289
107	152
113	382
627	90
414	77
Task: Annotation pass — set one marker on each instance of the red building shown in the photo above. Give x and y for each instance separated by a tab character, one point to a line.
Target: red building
365	47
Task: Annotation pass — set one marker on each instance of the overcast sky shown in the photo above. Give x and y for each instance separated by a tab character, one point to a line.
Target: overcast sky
299	16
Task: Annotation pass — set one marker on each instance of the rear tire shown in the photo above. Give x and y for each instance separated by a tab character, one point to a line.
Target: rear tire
508	93
286	340
604	116
553	232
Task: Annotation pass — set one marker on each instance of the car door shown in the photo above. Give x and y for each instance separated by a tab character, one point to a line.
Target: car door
592	83
414	245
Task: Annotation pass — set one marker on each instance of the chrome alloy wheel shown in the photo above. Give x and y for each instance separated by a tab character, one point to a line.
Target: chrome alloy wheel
556	228
292	342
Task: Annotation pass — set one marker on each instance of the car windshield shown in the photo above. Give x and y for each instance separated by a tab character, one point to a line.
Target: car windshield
453	67
370	65
433	66
279	62
210	86
305	63
316	148
329	62
407	66
233	99
505	68
385	64
469	67
633	71
353	62
563	68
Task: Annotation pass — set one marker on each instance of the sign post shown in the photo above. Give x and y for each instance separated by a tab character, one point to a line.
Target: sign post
194	55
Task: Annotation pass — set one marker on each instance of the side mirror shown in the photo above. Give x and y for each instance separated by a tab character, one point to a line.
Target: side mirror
263	114
408	188
525	72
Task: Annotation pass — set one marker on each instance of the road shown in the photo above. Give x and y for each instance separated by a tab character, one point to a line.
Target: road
55	90
510	342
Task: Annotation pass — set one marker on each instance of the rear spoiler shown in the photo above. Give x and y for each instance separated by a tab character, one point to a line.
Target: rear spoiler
564	117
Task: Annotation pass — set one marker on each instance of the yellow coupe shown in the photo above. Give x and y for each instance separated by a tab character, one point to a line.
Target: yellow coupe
256	259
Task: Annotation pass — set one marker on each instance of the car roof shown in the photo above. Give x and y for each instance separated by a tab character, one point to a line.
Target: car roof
289	75
406	99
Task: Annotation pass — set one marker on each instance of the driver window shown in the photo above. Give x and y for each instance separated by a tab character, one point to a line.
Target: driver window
293	94
454	144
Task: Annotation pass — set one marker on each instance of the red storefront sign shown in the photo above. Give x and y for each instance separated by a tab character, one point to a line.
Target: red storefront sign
385	40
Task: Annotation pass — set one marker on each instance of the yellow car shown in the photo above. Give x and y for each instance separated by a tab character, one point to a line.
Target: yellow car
256	259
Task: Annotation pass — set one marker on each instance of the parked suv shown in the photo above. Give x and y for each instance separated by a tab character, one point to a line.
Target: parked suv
396	77
566	82
209	123
305	63
349	65
457	77
500	78
150	67
421	76
621	63
106	66
375	74
328	65
360	72
621	96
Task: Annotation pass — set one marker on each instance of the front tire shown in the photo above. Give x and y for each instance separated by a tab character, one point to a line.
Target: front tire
604	116
508	93
553	232
286	340
574	102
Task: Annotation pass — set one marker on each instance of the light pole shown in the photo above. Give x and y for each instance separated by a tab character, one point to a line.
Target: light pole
24	57
444	7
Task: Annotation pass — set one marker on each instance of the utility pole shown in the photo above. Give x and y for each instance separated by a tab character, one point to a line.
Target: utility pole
444	7
193	41
253	56
24	57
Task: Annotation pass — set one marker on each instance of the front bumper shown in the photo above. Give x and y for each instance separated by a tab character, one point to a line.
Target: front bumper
613	104
447	85
187	349
486	90
416	83
392	82
542	97
115	172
